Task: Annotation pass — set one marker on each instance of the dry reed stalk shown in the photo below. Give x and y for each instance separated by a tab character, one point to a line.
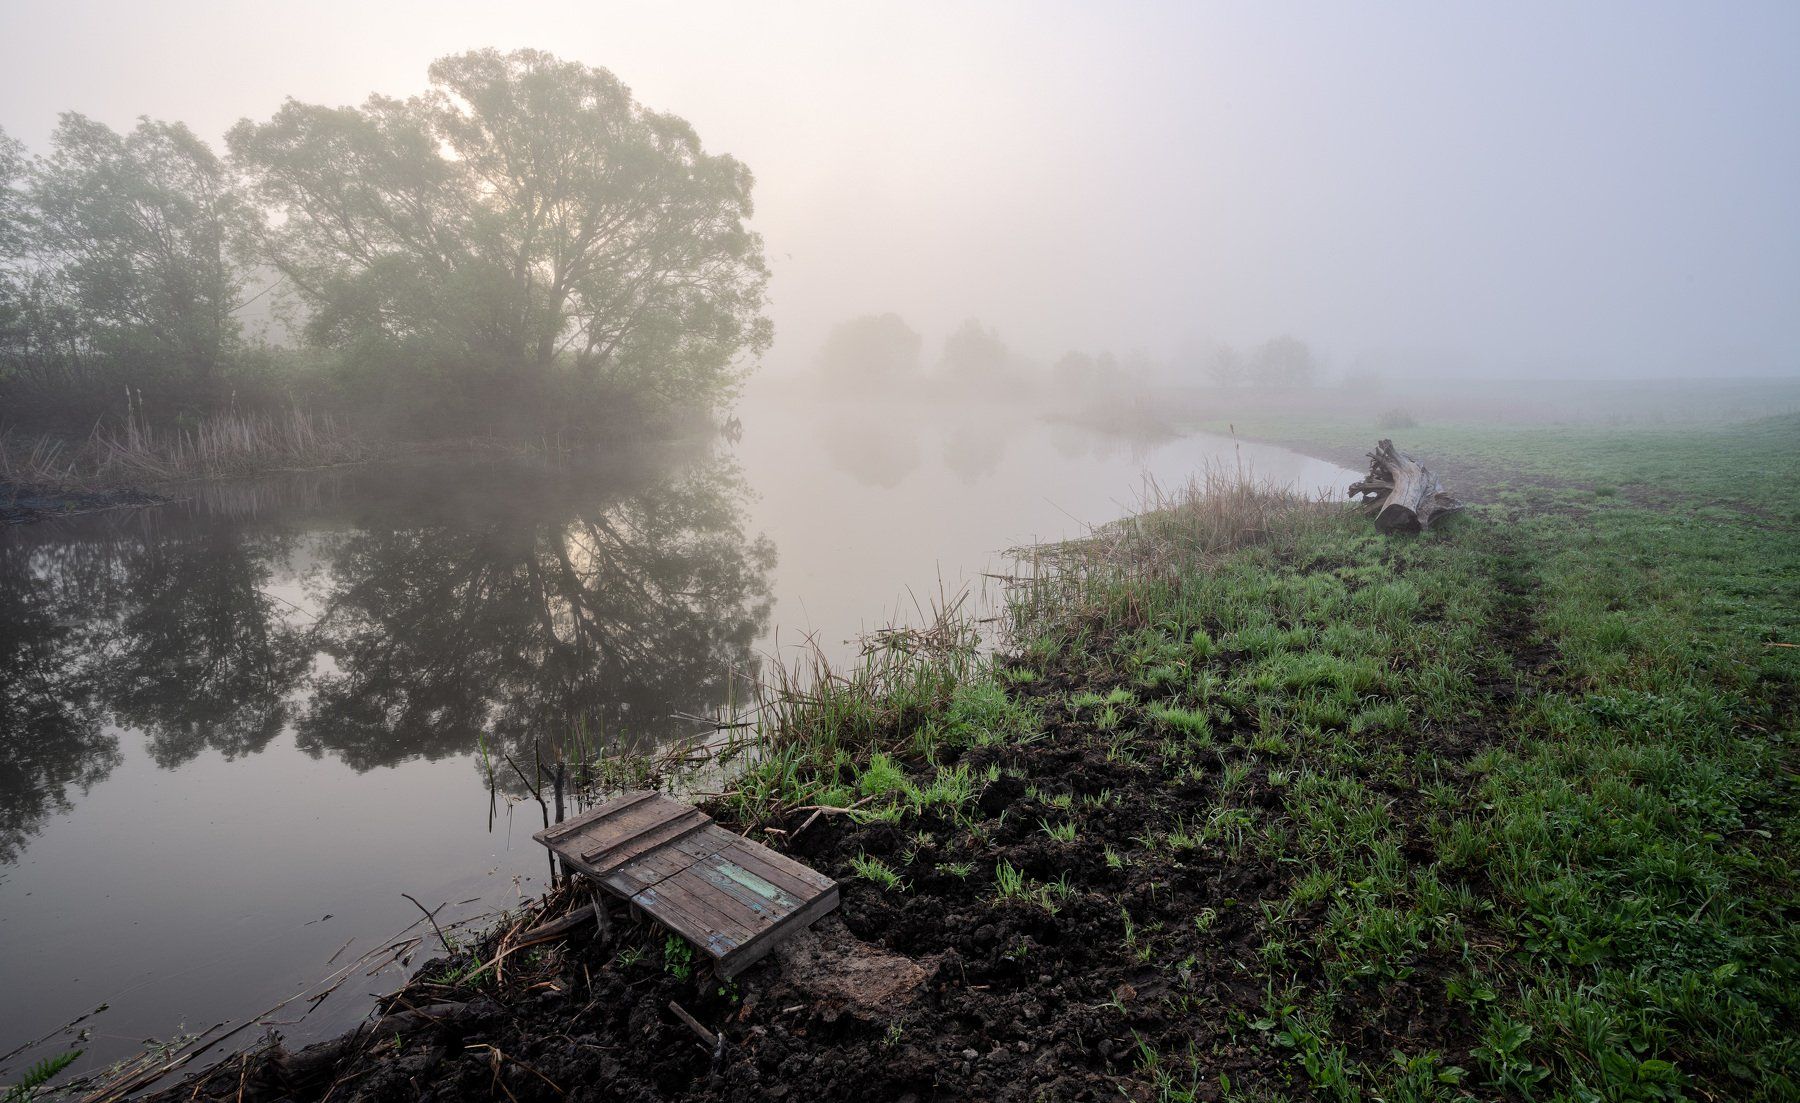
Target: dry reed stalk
232	442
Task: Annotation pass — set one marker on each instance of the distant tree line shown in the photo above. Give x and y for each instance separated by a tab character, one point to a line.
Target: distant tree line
878	351
524	241
1279	363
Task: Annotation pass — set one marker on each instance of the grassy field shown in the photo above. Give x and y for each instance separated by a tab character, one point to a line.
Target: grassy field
1258	804
1515	800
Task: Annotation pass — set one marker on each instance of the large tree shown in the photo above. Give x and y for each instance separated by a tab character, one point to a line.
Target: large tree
13	165
872	351
975	356
525	211
15	330
1283	362
137	236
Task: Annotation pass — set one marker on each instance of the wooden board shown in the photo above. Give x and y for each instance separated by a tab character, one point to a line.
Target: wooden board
733	898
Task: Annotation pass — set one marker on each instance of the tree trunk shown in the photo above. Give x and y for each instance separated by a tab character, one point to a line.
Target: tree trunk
1401	492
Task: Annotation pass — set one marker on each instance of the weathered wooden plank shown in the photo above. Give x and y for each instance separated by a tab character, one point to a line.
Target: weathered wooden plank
749	889
627	824
779	869
658	865
612	807
733	898
605	859
694	916
697	916
704	903
705	842
758	947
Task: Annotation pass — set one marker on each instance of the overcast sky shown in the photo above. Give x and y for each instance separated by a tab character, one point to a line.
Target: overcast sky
1586	189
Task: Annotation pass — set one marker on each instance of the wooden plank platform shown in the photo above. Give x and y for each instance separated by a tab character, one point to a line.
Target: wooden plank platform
733	898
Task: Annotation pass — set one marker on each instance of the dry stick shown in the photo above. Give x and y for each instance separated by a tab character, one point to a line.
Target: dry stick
432	916
809	822
4	1057
546	933
243	1076
131	1080
498	1057
707	1037
818	810
537	792
537	775
494	1067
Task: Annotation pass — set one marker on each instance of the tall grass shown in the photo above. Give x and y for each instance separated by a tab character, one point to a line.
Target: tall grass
1174	534
914	690
232	442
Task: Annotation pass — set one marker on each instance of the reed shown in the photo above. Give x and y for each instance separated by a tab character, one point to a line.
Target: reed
1175	533
133	451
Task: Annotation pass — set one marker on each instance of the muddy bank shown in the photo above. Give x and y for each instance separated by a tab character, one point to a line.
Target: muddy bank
24	503
1051	939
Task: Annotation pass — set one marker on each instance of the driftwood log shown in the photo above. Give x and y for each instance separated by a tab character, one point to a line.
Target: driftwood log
1402	493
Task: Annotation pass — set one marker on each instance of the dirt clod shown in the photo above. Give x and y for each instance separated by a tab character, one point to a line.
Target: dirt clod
838	969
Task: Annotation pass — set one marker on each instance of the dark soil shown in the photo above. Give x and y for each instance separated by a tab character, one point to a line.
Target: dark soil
1021	1002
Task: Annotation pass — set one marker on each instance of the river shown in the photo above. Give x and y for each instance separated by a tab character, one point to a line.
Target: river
235	728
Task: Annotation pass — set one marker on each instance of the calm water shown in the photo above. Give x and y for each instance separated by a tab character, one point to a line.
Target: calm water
234	729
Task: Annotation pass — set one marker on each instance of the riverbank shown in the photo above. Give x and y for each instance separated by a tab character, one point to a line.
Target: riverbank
24	503
1256	804
135	462
40	491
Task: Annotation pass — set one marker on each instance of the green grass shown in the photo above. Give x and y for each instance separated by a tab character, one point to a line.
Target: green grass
1536	769
37	1076
877	872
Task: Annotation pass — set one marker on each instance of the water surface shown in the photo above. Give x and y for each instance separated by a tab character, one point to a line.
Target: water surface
235	728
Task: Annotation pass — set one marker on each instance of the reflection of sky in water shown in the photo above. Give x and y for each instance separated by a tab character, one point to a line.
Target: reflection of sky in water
225	719
873	507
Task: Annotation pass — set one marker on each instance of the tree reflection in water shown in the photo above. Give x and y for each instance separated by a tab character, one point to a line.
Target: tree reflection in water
450	602
530	624
201	656
51	737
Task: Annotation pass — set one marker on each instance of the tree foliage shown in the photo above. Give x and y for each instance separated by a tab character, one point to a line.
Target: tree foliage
874	350
1278	363
137	235
523	239
120	262
975	355
1283	362
524	212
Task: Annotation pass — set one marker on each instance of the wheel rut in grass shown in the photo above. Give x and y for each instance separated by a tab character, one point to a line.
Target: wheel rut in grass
1518	662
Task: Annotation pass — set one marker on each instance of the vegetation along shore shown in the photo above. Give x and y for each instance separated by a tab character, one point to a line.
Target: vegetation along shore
524	254
1250	803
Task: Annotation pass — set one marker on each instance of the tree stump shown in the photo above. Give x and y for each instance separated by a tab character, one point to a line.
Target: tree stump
1402	493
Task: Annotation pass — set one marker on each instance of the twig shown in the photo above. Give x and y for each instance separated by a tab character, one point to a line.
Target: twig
496	1057
432	917
834	808
537	791
707	1037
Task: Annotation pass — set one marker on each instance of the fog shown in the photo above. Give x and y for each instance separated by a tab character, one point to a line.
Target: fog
1604	191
